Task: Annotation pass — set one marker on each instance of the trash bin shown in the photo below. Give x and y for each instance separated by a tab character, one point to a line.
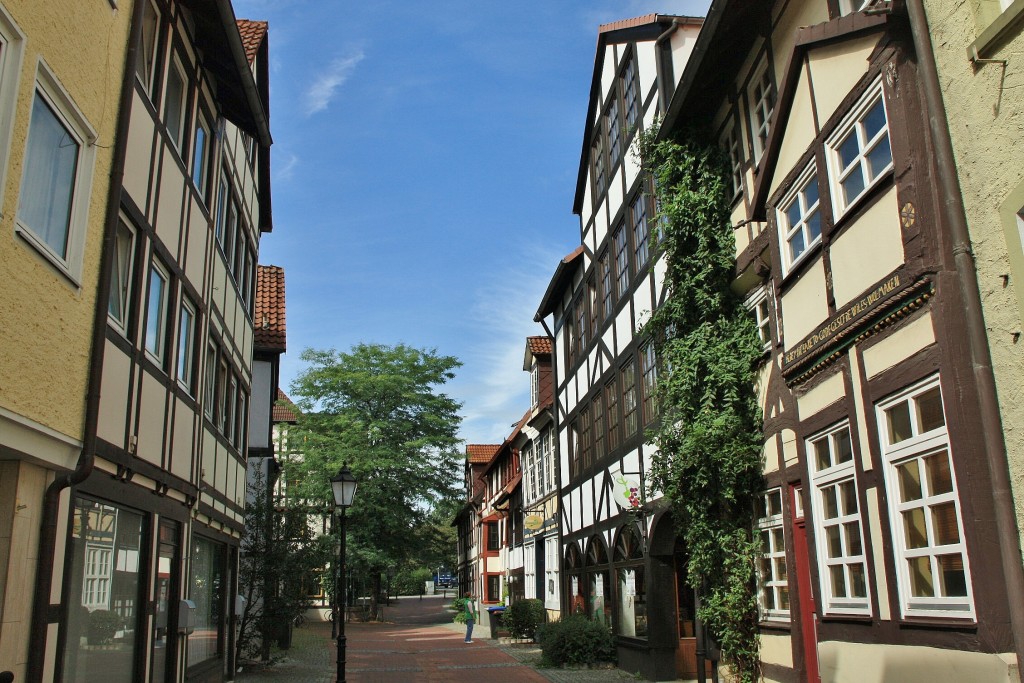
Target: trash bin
495	616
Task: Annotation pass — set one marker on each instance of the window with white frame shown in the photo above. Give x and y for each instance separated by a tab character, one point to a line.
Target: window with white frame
530	471
12	43
762	102
529	571
145	65
534	383
53	203
546	457
837	522
759	305
858	152
772	574
799	217
201	155
933	571
121	275
156	311
620	239
186	344
733	146
175	100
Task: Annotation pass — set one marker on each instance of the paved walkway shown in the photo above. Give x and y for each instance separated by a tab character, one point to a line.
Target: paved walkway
418	642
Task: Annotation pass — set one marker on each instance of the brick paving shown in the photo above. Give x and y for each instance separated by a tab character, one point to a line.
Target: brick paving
417	642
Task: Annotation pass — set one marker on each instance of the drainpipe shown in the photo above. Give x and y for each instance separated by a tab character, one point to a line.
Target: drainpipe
663	77
992	430
42	615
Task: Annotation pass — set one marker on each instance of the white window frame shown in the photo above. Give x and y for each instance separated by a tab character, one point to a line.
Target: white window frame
534	383
852	125
148	80
759	305
830	478
917	447
121	276
552	595
201	162
75	123
798	194
732	143
12	52
185	362
773	522
177	136
158	352
761	105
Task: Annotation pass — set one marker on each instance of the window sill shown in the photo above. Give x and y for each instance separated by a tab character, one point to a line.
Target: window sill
994	34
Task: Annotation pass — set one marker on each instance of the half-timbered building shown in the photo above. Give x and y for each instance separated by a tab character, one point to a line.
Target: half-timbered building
536	445
149	529
618	547
501	518
883	552
469	531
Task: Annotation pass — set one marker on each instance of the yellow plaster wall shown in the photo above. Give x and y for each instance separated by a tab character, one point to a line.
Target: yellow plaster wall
985	109
868	250
835	69
800	132
47	319
804	305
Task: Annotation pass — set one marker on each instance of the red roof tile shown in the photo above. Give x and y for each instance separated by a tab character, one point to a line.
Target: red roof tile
481	453
285	413
628	23
539	346
253	33
269	333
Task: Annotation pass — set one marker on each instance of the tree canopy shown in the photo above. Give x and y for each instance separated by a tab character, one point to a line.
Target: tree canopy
378	409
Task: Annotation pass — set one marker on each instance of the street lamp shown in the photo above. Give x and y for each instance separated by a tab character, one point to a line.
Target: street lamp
343	485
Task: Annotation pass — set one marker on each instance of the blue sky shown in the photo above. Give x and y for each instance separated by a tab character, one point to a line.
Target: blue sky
424	166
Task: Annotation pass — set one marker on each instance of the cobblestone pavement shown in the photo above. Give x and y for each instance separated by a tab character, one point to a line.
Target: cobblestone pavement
417	642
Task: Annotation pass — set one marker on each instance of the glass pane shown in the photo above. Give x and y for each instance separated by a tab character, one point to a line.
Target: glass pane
173	106
874	120
858	585
898	418
929	410
914	526
829	502
838	581
853	186
811	191
849	495
784	597
822	454
198	158
775	502
796	246
879	157
940	479
155	314
852	531
793	214
779	541
766	542
953	580
780	569
833	541
848	149
844	449
207	591
769	597
47	183
944	524
921	584
814	225
910	481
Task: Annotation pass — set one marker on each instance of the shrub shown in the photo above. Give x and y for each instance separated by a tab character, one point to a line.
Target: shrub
575	640
523	617
459	605
103	625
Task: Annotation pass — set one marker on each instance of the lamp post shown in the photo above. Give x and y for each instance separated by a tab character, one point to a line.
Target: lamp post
343	485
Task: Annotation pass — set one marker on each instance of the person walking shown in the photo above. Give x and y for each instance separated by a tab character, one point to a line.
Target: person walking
471	616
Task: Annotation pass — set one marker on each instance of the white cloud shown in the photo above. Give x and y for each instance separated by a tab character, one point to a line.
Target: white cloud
502	318
322	91
285	169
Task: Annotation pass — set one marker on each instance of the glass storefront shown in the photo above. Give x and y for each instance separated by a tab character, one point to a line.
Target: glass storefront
599	604
102	630
632	588
206	590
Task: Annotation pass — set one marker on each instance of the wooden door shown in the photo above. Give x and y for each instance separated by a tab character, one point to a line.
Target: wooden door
807	608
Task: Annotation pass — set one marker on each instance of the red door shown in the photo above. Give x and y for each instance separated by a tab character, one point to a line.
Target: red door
808	619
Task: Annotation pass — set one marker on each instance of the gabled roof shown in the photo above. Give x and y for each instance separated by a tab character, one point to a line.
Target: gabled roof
479	454
563	272
253	33
644	28
536	347
284	413
269	321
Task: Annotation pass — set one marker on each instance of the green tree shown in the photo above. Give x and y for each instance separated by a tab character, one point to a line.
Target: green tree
280	556
710	435
378	409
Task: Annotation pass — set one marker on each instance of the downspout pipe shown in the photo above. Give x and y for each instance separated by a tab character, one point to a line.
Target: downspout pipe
42	615
662	76
953	207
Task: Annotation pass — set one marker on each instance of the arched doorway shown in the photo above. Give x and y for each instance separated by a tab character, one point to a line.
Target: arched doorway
669	560
599	606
